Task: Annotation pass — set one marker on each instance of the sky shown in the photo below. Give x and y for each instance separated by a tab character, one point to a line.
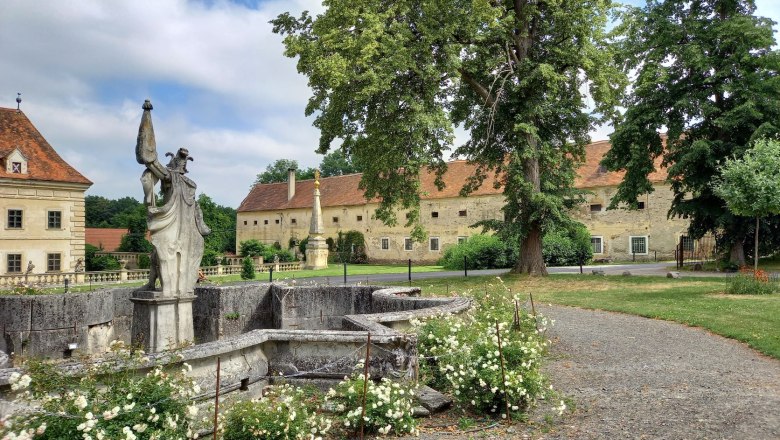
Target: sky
215	73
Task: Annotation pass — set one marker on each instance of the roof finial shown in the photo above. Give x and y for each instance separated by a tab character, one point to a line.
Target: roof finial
18	101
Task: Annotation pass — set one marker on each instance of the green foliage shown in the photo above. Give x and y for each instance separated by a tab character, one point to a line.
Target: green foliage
461	355
247	269
278	172
210	258
251	248
284	412
748	284
390	80
101	212
135	239
94	263
481	251
350	247
144	261
709	75
337	163
222	222
750	185
567	247
388	405
104	403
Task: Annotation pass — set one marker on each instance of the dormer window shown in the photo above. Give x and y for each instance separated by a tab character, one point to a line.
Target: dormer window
15	163
16	167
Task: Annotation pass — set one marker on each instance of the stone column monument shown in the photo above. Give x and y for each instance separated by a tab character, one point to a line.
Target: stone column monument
162	316
316	248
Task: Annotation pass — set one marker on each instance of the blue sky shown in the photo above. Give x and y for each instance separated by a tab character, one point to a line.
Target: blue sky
213	69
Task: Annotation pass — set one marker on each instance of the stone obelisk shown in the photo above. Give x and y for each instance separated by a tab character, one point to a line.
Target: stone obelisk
316	248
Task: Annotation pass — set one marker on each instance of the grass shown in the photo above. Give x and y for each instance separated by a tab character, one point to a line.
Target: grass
699	302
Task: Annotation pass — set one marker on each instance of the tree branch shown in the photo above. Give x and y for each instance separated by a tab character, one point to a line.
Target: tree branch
477	87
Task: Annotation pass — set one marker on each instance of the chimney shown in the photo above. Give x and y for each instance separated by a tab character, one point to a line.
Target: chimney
290	183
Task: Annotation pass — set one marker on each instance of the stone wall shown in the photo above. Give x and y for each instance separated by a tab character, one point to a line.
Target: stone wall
221	312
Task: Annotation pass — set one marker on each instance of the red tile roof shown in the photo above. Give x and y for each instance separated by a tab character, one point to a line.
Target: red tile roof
43	163
108	239
343	190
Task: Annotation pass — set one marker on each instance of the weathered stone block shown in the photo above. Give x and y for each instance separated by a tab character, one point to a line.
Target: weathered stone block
100	307
53	343
432	400
15	312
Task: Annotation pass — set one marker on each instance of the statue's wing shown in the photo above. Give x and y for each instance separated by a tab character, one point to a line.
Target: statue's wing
146	147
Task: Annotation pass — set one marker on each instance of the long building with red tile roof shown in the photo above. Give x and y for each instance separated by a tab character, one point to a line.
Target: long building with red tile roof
280	212
41	201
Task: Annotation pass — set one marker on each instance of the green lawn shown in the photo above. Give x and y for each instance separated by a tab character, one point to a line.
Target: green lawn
335	271
700	302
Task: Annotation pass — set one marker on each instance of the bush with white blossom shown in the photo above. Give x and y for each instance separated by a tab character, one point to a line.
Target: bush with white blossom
103	404
285	412
460	354
388	405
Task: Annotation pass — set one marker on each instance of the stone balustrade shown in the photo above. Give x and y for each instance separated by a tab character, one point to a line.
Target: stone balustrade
57	279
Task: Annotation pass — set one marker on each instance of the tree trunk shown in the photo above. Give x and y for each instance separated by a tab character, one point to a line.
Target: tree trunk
755	253
531	260
737	254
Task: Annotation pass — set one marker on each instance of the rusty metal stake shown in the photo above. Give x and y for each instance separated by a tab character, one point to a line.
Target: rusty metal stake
365	384
216	402
503	373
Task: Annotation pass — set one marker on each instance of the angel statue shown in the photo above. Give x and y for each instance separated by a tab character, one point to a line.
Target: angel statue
176	227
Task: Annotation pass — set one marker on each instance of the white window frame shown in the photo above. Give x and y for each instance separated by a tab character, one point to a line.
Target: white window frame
631	247
601	243
408	244
384	241
430	244
462	239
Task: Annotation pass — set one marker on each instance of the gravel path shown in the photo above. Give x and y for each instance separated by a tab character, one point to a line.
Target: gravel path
638	378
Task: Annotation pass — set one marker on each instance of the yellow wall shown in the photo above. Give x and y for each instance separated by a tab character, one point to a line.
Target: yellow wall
34	240
615	227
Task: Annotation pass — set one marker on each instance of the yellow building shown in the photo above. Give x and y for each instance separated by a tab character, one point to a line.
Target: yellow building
280	212
41	201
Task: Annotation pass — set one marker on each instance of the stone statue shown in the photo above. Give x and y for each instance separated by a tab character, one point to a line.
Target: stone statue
176	227
79	265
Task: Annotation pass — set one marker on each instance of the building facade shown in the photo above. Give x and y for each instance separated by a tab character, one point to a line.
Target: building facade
280	212
41	202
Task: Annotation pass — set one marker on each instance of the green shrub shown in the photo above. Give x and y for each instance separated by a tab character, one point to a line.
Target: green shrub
482	252
103	403
95	263
210	258
568	246
747	284
247	269
285	412
251	248
350	247
388	405
144	261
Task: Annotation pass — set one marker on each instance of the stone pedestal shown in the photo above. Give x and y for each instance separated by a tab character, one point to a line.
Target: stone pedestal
316	253
161	323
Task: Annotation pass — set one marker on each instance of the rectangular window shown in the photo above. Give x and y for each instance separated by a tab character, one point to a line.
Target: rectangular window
16	167
462	213
641	205
597	244
53	262
14	263
335	219
462	239
687	243
595	207
434	244
385	243
255	222
293	221
638	245
360	218
15	218
55	220
265	222
276	221
408	244
435	214
245	222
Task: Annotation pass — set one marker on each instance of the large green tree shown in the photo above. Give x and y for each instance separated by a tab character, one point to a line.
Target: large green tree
222	222
279	172
706	71
391	79
750	185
